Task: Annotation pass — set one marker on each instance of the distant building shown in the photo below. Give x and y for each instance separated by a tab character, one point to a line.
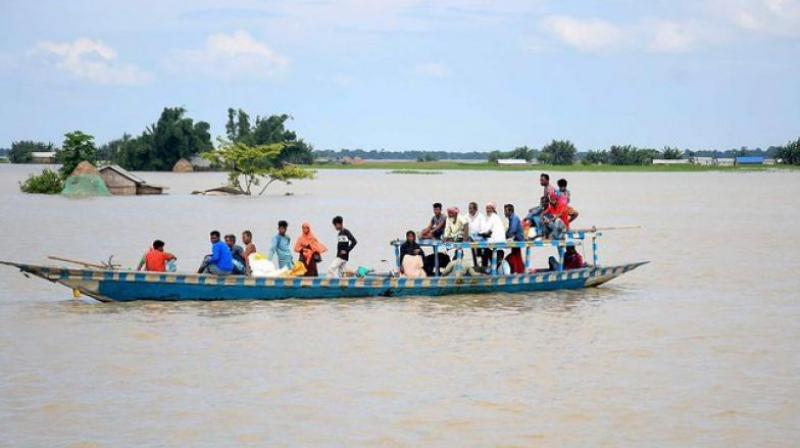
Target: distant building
671	161
725	161
512	162
122	182
703	160
770	162
750	160
43	157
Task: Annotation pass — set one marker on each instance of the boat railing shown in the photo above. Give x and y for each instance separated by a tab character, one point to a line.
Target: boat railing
569	238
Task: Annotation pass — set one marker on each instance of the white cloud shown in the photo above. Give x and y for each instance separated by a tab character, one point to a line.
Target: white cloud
432	70
590	35
235	55
672	37
770	17
91	60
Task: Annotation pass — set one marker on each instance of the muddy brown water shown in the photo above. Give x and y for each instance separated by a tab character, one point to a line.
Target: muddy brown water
698	348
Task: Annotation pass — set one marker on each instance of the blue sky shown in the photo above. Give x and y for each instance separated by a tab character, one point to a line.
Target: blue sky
411	74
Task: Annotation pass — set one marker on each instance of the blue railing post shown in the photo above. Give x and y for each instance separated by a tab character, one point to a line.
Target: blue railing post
494	262
561	256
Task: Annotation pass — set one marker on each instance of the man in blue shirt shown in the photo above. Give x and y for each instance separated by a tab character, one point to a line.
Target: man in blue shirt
281	246
514	233
220	262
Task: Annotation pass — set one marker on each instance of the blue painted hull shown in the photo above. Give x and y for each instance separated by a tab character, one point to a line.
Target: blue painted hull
106	285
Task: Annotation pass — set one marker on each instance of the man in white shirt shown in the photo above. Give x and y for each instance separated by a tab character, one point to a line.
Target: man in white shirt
494	232
475	225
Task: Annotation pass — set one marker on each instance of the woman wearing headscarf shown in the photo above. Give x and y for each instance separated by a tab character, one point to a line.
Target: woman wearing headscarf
310	250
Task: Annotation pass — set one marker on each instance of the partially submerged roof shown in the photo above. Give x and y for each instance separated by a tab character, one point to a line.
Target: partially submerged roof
124	173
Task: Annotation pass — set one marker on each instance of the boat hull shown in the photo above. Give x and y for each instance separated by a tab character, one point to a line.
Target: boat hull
107	285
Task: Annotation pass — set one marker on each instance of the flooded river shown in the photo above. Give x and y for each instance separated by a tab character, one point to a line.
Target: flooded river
699	348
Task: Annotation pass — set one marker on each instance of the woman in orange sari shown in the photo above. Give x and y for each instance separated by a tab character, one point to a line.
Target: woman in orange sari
310	250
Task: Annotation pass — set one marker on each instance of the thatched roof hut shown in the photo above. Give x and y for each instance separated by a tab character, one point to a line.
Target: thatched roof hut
183	166
85	181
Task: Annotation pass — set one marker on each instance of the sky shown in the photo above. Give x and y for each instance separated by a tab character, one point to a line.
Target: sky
454	75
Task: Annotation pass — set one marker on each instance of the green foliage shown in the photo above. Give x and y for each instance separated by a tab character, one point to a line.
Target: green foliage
250	166
631	155
77	147
22	151
521	152
671	153
596	158
558	152
48	182
268	131
427	157
172	137
790	153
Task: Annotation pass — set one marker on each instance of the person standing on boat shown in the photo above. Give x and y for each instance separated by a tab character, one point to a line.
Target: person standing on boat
476	222
514	233
310	250
494	231
155	260
435	229
535	214
220	262
281	246
249	248
345	242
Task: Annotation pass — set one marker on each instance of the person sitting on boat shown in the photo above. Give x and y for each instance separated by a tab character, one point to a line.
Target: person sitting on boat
310	250
411	261
563	191
535	214
555	220
220	262
345	242
455	228
249	248
493	232
156	259
572	259
460	267
237	252
281	247
476	222
435	229
514	233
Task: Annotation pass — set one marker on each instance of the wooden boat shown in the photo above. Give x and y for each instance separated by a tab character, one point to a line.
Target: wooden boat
112	285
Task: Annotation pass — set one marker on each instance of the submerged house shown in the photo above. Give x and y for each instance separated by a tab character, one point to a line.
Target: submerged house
122	182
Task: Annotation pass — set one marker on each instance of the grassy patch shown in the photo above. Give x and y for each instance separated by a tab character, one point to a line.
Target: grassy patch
413	172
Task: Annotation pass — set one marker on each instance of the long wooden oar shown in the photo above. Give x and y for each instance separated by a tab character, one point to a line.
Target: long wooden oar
595	229
78	262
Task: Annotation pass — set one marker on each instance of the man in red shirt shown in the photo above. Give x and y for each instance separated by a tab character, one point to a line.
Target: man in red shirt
155	260
555	218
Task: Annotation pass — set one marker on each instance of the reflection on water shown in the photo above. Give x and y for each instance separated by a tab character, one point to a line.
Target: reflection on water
687	351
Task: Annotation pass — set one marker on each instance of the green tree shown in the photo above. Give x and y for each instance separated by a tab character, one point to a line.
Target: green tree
48	182
77	147
252	166
22	151
172	137
631	155
790	153
558	152
266	131
671	153
596	158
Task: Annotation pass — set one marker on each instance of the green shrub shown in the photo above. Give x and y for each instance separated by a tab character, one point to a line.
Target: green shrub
48	182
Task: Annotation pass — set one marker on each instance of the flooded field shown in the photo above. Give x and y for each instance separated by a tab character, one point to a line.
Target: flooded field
698	348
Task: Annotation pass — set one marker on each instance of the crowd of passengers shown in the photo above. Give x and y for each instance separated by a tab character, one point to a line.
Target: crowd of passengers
550	219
